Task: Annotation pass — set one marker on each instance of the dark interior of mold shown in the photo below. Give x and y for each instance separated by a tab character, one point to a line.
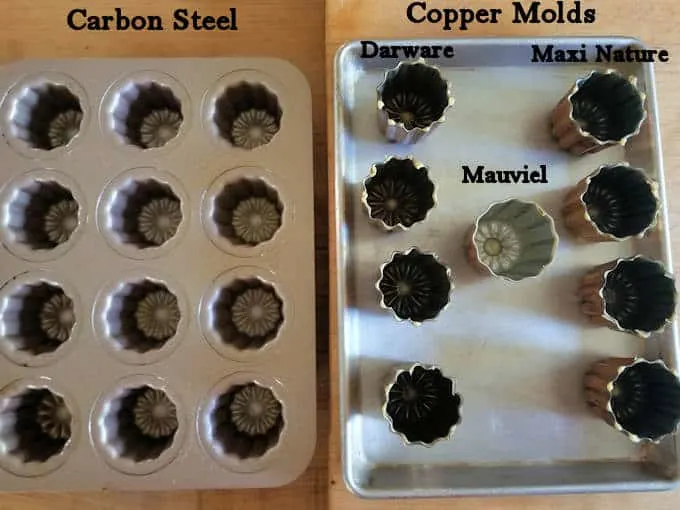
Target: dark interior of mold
231	196
127	207
137	103
415	285
639	295
234	442
21	318
646	400
620	201
223	322
33	443
122	321
607	106
29	208
415	95
422	405
132	443
239	98
40	106
399	193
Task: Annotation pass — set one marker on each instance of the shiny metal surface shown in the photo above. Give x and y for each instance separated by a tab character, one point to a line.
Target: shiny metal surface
518	350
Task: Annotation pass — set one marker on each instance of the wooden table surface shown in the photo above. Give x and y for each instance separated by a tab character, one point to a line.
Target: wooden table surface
290	29
656	25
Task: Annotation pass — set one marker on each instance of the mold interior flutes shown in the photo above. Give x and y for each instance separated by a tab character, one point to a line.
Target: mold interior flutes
613	203
638	397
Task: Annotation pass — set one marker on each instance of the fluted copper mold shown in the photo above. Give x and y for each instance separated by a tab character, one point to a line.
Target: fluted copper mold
412	100
414	285
37	318
421	405
601	110
248	212
636	295
398	193
513	240
614	203
146	213
43	215
248	313
637	397
47	116
148	115
41	425
247	421
248	115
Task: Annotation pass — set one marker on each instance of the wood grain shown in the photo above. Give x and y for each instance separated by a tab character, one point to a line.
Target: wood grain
655	24
290	29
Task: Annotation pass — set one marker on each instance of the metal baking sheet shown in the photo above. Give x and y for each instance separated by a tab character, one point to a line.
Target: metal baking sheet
518	351
93	369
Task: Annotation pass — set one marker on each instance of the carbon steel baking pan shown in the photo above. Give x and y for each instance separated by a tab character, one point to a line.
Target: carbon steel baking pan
518	350
155	214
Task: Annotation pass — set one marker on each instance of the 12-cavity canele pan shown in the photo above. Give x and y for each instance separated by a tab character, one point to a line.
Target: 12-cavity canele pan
511	347
157	307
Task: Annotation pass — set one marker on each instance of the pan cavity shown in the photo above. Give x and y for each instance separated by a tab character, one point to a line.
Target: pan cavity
246	421
141	316
46	116
247	212
137	428
247	314
36	318
147	114
36	428
247	115
42	215
145	213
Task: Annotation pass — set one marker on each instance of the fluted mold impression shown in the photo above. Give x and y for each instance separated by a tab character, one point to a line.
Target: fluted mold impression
247	421
147	115
142	316
247	314
248	115
42	215
141	424
145	213
37	318
248	212
41	425
47	116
